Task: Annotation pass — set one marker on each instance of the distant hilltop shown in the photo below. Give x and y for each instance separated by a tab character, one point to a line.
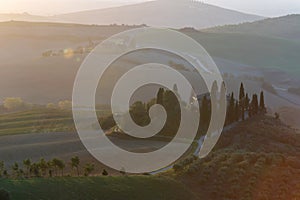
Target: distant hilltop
160	13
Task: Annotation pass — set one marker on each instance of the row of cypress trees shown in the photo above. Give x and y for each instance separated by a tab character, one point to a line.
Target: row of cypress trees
244	106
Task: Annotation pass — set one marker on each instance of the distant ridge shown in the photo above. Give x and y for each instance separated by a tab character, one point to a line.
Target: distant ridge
287	27
163	13
159	13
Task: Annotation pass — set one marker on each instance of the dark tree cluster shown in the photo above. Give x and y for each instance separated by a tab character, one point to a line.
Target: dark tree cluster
244	106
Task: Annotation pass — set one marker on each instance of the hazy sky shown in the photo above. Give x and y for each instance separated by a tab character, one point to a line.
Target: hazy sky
50	7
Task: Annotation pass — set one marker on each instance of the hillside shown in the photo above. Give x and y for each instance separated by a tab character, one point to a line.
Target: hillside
168	13
257	159
161	13
287	27
28	72
253	50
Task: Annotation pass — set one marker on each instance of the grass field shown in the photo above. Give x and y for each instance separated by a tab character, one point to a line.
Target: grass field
102	188
40	120
36	121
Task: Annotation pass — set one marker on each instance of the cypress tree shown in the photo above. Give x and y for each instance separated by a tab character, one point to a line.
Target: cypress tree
204	112
254	104
242	100
242	92
262	106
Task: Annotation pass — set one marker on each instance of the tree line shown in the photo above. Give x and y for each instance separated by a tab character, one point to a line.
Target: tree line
238	108
244	106
51	168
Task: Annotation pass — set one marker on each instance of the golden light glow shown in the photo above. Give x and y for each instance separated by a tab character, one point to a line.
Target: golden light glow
68	53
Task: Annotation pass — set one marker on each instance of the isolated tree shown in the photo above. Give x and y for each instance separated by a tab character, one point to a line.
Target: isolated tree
75	161
262	106
27	165
88	169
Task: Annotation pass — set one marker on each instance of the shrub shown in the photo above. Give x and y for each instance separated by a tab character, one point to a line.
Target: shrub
12	103
104	172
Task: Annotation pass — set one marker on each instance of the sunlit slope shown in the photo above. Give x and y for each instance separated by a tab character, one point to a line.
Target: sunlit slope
26	73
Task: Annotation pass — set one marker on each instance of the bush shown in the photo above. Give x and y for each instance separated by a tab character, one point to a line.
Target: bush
4	195
104	172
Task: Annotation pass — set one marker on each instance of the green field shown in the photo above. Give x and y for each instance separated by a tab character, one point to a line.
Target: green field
102	188
36	121
39	120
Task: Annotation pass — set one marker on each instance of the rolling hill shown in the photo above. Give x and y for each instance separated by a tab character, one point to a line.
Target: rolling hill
26	73
251	49
162	13
256	159
159	13
286	27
